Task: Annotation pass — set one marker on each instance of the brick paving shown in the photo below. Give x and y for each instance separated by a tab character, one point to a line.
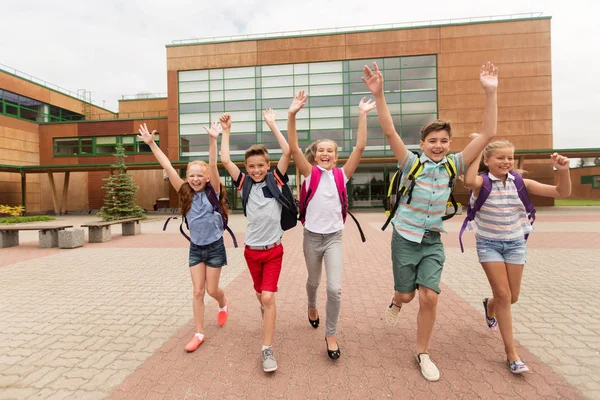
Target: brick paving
111	320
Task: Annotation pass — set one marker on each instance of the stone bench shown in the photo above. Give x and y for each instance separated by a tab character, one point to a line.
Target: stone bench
70	238
99	232
48	236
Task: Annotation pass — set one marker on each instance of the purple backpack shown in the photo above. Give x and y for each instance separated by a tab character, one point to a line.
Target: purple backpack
306	195
486	188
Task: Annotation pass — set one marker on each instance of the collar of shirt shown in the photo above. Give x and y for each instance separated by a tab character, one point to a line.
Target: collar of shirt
424	159
508	176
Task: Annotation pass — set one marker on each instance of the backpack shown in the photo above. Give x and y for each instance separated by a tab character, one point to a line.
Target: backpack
274	181
484	193
306	195
211	195
395	191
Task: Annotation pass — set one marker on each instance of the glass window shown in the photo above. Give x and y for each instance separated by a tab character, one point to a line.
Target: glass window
300	69
66	147
324	112
217	96
325	90
417	108
326	79
216	85
326	123
239	84
391	75
327	101
216	73
239	94
243	116
418	73
243	127
278	81
391	63
241	105
391	86
242	141
322	67
191	129
194	118
243	72
193	86
301	80
419	84
198	75
411	134
143	147
193	97
419	119
86	145
358	65
286	92
194	108
418	61
275	70
409	97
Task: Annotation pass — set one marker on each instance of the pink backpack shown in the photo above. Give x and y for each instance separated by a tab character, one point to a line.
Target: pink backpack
306	195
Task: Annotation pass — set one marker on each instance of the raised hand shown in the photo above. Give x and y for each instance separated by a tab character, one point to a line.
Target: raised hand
373	79
298	102
560	162
488	76
225	121
269	116
145	135
214	129
366	105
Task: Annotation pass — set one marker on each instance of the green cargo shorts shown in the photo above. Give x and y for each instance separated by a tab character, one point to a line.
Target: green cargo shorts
417	263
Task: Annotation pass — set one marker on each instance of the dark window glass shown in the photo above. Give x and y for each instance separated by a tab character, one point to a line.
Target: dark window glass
418	73
193	108
418	96
245	105
322	101
420	61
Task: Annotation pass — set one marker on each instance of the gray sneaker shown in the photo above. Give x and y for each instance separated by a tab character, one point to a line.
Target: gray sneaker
269	362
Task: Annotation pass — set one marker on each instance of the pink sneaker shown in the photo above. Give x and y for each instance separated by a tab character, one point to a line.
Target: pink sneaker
222	317
194	344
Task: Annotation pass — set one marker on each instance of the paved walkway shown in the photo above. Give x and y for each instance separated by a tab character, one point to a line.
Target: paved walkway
111	319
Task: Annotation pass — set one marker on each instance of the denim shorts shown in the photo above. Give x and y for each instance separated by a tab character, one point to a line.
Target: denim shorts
507	251
213	255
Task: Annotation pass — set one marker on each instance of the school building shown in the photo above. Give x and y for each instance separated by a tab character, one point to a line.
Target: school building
57	146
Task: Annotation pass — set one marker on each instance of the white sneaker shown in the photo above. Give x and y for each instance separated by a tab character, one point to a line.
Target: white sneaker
391	314
428	368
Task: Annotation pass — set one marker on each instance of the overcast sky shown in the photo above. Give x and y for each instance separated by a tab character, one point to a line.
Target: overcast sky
112	48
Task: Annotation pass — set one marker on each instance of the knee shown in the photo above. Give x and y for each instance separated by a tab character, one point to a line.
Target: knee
334	292
401	298
199	292
212	291
504	297
428	298
514	298
268	299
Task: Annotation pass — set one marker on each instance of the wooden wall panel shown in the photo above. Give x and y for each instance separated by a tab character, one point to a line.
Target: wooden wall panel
507	85
507	70
47	133
212	61
95	192
249	46
299	43
77	194
500	56
142	108
513	99
497	28
417	47
301	55
152	186
401	35
496	42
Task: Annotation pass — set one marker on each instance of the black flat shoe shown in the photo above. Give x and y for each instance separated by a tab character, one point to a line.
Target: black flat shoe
313	322
333	354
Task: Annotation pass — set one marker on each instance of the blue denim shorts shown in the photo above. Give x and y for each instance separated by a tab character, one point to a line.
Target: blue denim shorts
507	251
213	255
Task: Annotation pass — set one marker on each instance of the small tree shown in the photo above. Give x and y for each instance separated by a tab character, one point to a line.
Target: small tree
119	201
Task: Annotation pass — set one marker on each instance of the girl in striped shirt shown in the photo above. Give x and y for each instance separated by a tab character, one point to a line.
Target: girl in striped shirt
502	224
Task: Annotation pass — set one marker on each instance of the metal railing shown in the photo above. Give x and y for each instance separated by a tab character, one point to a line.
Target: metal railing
48	85
350	29
143	96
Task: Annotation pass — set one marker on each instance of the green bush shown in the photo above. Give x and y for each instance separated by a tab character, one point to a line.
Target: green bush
18	220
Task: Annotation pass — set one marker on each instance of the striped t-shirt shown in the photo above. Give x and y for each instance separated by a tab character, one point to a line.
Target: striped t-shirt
502	216
429	196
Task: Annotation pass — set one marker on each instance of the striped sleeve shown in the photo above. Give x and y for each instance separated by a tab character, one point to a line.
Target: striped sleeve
459	161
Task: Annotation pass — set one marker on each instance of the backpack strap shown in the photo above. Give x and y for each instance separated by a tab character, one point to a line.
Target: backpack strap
411	180
484	193
525	199
274	181
392	197
245	185
451	169
306	194
338	175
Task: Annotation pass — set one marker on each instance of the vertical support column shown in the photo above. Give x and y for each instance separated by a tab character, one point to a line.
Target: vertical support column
54	194
65	193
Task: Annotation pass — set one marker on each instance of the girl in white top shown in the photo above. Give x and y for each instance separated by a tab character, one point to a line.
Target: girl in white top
501	225
324	222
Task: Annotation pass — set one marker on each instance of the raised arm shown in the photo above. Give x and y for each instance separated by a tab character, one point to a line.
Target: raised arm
488	77
284	161
472	179
231	168
361	136
213	134
148	138
374	81
303	165
562	188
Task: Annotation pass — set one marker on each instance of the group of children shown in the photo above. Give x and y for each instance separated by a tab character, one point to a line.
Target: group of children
416	249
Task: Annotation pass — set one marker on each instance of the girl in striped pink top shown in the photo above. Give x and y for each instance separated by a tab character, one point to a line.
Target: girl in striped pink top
502	224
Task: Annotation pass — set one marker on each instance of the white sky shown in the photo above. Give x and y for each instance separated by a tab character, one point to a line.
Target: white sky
113	47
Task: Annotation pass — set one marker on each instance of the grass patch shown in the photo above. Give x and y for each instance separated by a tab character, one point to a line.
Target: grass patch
576	202
18	220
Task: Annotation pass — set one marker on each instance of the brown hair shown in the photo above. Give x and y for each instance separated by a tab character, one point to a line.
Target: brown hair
186	194
257	150
437	125
312	150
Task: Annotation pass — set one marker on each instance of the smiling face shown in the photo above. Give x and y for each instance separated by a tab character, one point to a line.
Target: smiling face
326	154
500	161
436	145
257	167
197	175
